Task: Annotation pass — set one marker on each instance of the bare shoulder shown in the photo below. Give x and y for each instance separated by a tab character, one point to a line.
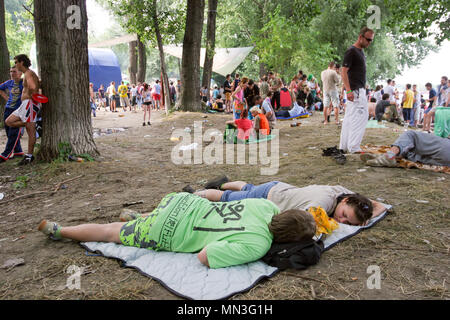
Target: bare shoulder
31	75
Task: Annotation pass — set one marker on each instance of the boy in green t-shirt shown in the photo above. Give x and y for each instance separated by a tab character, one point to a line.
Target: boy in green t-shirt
224	234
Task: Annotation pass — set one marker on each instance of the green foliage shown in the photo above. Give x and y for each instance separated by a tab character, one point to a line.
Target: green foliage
289	35
64	151
293	35
136	16
86	157
420	18
19	30
21	182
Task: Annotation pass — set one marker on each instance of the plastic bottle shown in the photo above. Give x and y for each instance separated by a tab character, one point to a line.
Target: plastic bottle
76	159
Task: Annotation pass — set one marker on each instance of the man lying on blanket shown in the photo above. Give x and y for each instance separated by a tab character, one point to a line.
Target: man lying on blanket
340	203
224	234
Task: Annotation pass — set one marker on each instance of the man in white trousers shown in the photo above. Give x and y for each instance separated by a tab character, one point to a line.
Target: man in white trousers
354	79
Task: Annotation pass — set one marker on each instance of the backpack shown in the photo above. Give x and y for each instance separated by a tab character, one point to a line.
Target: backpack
285	98
294	255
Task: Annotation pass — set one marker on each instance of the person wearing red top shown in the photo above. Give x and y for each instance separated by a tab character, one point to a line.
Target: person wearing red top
244	126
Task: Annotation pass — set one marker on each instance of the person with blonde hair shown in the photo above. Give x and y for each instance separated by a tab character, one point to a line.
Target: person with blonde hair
260	122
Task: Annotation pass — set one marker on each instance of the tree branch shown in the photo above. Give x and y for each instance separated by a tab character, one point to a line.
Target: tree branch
28	9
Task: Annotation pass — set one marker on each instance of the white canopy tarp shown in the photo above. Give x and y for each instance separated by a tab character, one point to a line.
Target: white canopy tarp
226	60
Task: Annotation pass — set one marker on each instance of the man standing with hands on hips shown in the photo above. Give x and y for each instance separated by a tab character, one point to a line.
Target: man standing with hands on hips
354	79
14	89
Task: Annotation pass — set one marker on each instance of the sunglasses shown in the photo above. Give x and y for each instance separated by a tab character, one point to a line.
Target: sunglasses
368	39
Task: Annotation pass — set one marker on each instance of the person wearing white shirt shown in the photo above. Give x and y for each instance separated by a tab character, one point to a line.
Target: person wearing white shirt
390	90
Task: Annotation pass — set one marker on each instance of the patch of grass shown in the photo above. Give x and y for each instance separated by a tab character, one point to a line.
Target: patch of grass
21	182
87	157
64	151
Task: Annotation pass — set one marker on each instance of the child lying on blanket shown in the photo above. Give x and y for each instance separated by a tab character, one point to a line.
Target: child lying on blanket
225	234
340	203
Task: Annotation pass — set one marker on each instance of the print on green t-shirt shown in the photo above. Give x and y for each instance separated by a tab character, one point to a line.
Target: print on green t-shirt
233	232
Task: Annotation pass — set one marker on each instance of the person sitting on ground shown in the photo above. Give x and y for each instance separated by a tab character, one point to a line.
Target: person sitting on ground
386	109
338	202
261	124
224	235
372	107
218	104
266	107
296	110
243	125
416	147
309	99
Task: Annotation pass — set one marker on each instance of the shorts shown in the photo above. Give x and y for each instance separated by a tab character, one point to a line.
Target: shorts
28	111
156	97
228	96
249	191
124	101
428	110
331	97
137	233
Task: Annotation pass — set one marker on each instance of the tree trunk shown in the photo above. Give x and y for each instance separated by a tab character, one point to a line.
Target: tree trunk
180	71
4	58
262	70
132	70
165	79
210	44
62	54
190	64
142	69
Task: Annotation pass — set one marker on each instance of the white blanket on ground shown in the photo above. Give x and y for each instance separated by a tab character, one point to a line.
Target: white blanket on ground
185	276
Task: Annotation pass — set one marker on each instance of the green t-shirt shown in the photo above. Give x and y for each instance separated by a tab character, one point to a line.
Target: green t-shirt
233	232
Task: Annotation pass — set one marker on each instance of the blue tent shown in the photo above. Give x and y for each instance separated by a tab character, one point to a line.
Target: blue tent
103	68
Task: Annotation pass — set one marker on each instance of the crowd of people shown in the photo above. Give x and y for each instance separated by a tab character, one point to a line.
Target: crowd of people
141	96
231	223
410	106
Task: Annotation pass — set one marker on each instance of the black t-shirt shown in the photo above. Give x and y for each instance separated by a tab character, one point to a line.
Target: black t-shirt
226	86
381	106
355	60
250	95
236	83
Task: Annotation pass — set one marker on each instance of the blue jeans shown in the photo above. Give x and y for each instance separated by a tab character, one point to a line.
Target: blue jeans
13	147
407	114
249	191
93	108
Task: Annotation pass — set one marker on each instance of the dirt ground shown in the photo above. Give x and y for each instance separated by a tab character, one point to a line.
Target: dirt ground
410	246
